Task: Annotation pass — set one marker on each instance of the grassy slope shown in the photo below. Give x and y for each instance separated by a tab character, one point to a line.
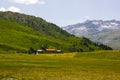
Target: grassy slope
24	37
36	23
25	31
101	65
15	36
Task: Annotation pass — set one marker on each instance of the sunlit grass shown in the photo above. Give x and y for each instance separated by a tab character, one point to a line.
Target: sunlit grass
72	66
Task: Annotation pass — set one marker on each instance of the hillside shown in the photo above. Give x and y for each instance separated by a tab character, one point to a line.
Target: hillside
19	32
36	23
23	37
105	32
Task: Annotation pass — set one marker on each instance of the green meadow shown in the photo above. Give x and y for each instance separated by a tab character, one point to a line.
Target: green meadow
20	32
99	65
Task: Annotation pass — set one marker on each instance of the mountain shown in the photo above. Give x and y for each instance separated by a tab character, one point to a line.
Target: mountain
105	32
20	32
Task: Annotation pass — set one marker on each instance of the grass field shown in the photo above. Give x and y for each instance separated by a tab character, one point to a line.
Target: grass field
100	65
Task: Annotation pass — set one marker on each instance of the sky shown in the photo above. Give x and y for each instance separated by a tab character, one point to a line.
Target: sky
65	12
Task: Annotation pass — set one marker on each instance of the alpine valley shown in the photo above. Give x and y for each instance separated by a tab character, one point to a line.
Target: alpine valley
20	32
99	31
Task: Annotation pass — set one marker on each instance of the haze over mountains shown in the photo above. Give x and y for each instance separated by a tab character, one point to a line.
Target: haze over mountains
106	32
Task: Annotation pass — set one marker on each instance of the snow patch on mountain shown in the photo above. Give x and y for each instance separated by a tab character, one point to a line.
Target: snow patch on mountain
114	24
95	22
82	28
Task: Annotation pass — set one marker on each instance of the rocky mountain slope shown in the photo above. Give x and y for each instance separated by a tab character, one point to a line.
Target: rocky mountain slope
106	32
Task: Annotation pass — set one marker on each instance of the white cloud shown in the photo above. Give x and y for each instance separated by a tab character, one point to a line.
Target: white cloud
2	9
28	2
12	8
